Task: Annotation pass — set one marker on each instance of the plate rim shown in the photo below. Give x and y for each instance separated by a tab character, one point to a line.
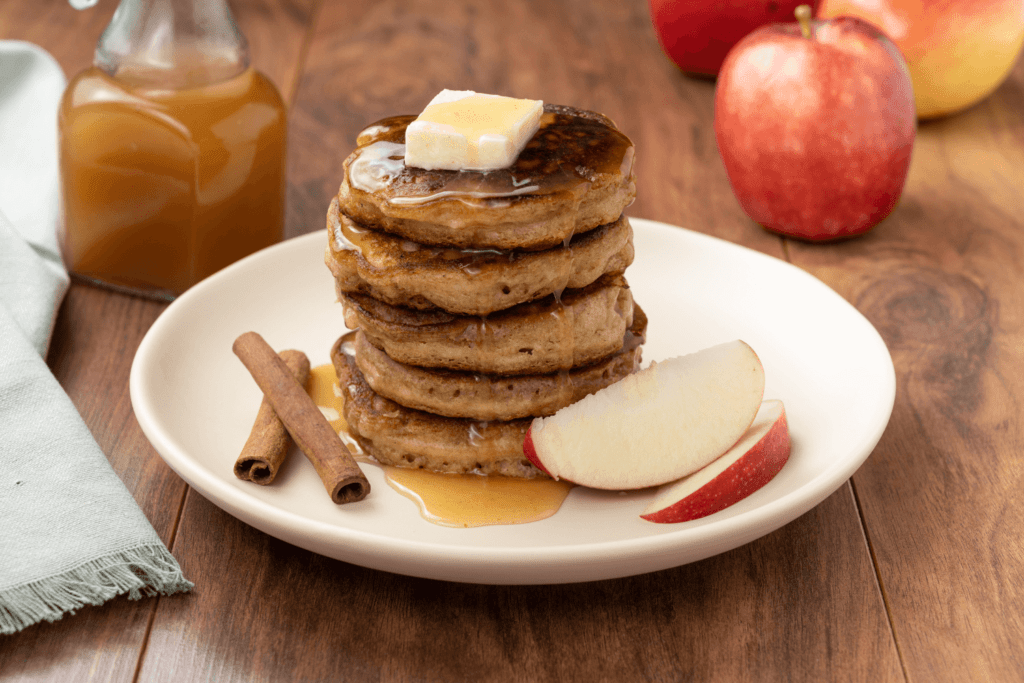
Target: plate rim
604	556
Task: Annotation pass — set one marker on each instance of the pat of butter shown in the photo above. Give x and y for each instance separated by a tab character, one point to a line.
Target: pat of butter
463	130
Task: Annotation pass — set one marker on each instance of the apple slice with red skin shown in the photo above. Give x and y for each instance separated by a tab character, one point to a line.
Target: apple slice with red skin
654	426
743	469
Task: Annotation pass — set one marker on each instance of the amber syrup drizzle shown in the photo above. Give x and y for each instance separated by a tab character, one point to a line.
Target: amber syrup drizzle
454	500
564	156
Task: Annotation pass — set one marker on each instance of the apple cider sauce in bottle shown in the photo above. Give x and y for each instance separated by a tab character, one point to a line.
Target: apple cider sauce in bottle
172	151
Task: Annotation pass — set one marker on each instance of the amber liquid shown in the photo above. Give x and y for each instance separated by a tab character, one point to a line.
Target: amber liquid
457	500
162	188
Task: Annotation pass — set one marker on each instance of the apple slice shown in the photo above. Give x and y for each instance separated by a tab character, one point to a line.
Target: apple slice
743	469
655	426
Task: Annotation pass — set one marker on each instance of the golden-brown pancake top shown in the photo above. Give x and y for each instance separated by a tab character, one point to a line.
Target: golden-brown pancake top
575	173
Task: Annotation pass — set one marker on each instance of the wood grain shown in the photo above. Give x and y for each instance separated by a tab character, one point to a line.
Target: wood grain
371	60
274	29
913	572
104	640
95	339
801	601
264	610
941	279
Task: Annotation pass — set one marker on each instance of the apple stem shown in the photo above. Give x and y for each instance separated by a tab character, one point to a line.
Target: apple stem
803	15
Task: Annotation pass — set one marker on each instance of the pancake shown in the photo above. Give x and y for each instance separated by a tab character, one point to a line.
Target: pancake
400	436
490	397
544	336
467	281
575	174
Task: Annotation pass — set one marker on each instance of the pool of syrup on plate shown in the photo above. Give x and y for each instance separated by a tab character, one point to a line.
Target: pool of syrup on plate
456	500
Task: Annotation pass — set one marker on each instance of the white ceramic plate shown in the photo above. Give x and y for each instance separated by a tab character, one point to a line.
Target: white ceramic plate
196	402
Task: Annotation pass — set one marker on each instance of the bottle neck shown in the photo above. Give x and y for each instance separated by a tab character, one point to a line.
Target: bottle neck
172	44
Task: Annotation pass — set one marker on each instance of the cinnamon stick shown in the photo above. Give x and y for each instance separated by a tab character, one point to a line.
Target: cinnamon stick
314	436
267	446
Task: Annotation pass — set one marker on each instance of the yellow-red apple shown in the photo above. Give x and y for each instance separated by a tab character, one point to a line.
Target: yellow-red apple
815	124
697	34
958	51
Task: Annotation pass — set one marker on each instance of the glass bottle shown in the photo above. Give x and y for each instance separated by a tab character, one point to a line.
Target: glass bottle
172	151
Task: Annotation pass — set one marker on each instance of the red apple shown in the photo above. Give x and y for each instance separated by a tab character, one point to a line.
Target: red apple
655	426
743	469
697	34
815	124
958	52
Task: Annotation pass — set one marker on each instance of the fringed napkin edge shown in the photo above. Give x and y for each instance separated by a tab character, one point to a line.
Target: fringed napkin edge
140	571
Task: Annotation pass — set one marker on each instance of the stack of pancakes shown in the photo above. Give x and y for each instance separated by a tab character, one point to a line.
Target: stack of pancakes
480	300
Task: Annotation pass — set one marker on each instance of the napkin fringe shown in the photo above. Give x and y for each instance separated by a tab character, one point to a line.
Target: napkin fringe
141	571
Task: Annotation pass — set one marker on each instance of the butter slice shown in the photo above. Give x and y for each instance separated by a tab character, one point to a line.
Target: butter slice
464	130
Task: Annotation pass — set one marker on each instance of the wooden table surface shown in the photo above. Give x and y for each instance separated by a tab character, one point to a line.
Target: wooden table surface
913	570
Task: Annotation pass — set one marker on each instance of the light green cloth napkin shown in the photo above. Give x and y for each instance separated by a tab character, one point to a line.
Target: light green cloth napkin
70	532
